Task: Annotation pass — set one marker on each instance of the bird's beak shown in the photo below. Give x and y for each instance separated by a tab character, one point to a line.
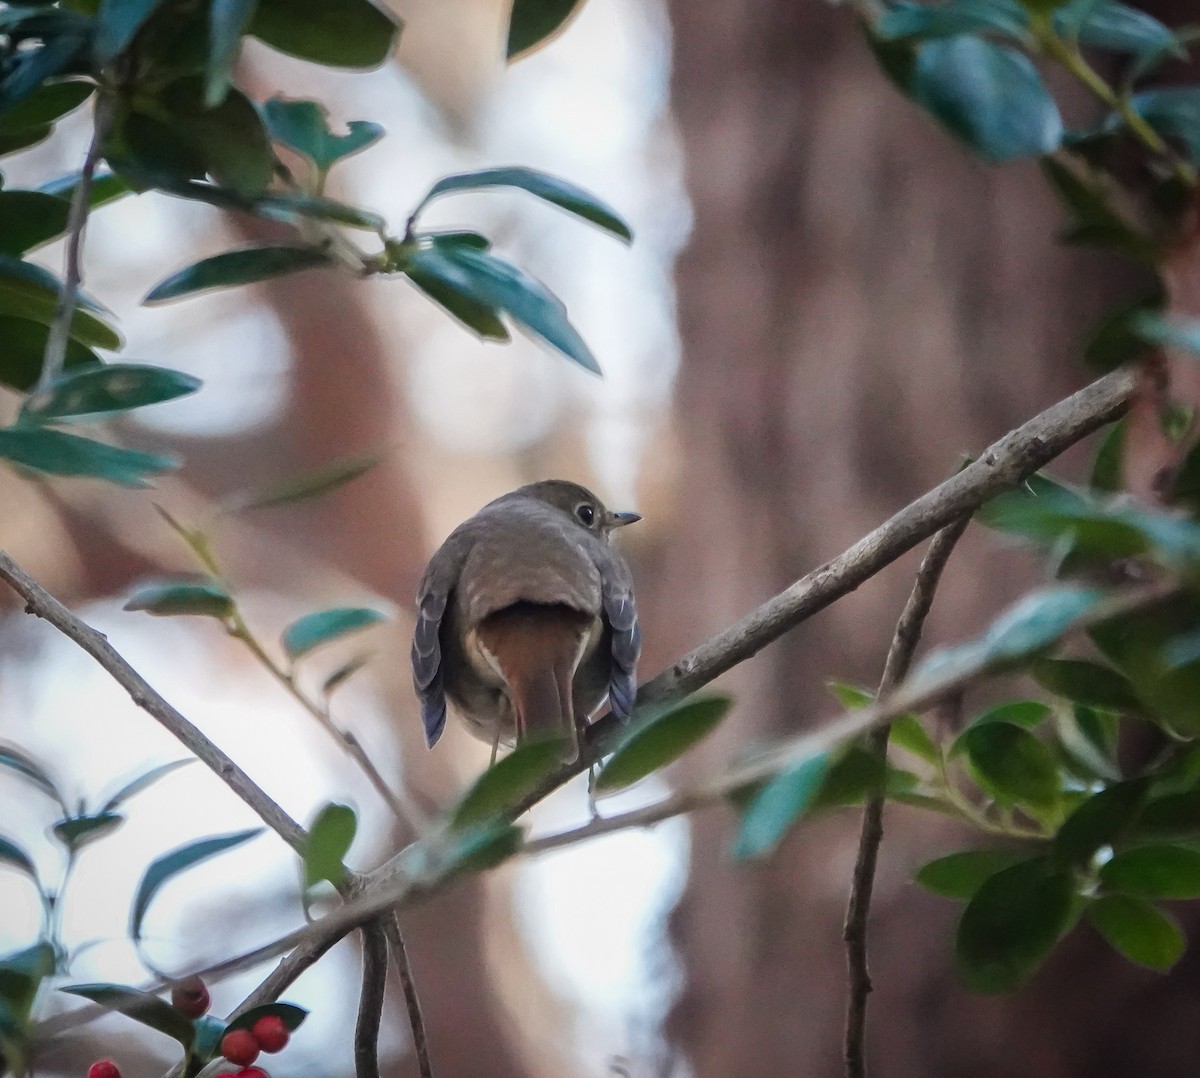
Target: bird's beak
619	520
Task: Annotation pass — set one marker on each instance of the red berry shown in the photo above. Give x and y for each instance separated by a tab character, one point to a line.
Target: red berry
252	1072
271	1032
190	997
240	1047
105	1068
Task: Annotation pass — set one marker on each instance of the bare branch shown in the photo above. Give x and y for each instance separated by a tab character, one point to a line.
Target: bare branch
899	660
416	1020
370	1001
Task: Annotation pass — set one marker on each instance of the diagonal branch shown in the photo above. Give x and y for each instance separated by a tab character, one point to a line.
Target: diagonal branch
370	1001
895	670
416	1020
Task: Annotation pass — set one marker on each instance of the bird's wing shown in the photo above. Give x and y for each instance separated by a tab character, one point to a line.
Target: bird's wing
433	595
621	614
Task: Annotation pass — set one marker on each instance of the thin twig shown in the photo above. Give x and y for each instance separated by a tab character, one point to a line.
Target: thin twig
412	1002
40	602
59	334
895	670
370	1001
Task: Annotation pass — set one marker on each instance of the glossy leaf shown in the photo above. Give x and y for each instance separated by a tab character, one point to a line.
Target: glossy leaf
1026	713
171	596
901	21
507	781
777	805
178	860
1101	820
1154	872
337	33
329	840
245	266
319	628
292	1016
552	189
960	875
304	127
1140	931
304	487
989	95
140	1006
1087	683
115	387
106	187
57	453
532	23
1011	925
75	832
457	302
142	782
227	21
117	24
45	105
1013	766
29	219
659	739
27	291
12	854
294	207
30	770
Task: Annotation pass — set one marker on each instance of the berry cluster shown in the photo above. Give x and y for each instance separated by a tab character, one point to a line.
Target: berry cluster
241	1047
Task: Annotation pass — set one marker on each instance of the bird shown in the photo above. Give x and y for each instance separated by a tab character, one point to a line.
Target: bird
526	619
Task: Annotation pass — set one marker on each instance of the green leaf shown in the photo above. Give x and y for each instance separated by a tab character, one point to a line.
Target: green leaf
659	739
22	971
227	21
535	22
30	770
902	21
30	292
116	387
1117	338
12	854
303	487
171	864
1107	469
27	71
292	1016
171	596
304	127
140	1006
106	187
1011	925
142	782
1174	112
851	697
777	806
1089	195
329	840
480	848
1159	871
1175	816
1087	683
1013	766
960	875
989	95
1138	930
552	189
13	141
337	33
75	832
1099	821
117	24
294	207
56	453
1118	28
507	781
495	284
1026	713
461	305
45	105
909	734
245	266
318	628
29	219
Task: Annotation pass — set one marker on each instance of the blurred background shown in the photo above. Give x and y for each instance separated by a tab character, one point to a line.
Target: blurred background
826	305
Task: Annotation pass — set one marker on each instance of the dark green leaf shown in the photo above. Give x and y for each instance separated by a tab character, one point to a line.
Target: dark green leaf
658	739
116	387
557	192
30	292
29	70
1087	683
117	24
75	832
22	971
337	33
1140	931
778	805
1175	112
1013	766
1011	925
140	1006
1176	816
318	628
1107	470
12	141
137	785
460	305
900	21
46	104
227	21
303	487
291	1014
1026	713
1099	821
293	207
1154	872
329	841
30	770
503	784
988	95
244	266
480	848
182	595
12	854
171	864
497	285
534	22
56	453
304	127
106	187
1118	28
1117	338
1089	195
960	875
29	219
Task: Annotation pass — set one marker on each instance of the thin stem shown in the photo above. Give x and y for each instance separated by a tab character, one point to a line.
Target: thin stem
412	1002
370	1001
59	334
899	660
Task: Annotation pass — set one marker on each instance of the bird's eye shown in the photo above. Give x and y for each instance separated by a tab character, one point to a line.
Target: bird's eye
586	514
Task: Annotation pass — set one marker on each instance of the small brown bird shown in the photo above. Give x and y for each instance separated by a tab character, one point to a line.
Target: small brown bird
526	618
